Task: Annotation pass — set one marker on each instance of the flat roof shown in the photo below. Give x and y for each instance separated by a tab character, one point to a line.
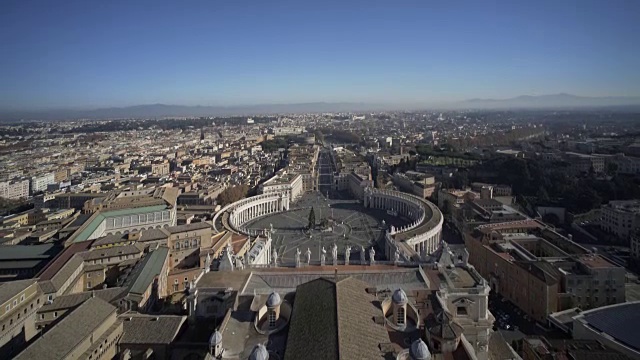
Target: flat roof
27	252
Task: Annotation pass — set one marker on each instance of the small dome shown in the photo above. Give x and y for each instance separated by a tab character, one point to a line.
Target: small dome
259	353
419	351
273	299
399	297
216	338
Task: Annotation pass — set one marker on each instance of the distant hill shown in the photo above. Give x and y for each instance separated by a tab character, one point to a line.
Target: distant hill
551	101
162	110
566	101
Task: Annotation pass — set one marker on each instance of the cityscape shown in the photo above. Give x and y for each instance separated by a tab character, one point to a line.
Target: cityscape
321	223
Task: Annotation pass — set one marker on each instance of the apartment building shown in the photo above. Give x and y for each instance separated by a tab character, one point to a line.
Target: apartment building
16	189
620	218
541	271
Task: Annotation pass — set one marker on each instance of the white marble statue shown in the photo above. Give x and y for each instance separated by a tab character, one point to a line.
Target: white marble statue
274	255
334	254
323	257
207	263
372	256
397	256
308	256
347	255
298	257
363	255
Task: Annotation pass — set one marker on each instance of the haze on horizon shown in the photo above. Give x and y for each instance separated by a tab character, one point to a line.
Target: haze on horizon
79	54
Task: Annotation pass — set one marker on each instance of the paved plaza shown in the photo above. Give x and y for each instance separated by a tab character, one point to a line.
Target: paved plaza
350	225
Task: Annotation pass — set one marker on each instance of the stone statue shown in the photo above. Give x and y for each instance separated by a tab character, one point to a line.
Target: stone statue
347	255
372	256
308	256
397	256
362	255
323	257
270	227
465	257
269	235
393	229
298	257
334	254
274	255
207	263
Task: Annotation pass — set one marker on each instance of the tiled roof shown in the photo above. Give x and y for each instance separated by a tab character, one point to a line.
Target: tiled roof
189	227
69	332
13	288
150	329
73	300
95	254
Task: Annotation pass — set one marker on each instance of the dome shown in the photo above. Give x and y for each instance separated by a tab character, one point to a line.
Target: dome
259	353
419	351
273	300
216	338
399	297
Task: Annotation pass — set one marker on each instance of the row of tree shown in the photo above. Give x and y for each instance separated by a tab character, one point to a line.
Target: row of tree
233	194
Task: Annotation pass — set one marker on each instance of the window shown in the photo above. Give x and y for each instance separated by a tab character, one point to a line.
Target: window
400	319
41	316
55	314
462	311
22	298
89	285
50	298
89	274
272	319
7	308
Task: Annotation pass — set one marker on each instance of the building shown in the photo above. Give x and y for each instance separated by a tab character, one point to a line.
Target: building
620	218
186	243
39	182
19	301
147	282
541	271
149	336
419	184
17	189
373	321
635	246
91	331
25	261
541	348
55	310
289	184
615	326
581	163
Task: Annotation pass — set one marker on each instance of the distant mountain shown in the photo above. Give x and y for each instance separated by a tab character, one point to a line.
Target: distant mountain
551	101
162	110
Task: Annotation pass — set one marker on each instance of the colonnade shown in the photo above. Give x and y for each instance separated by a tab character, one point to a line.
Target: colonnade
256	206
425	216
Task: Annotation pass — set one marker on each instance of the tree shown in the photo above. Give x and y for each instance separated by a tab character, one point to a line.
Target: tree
312	219
233	194
612	168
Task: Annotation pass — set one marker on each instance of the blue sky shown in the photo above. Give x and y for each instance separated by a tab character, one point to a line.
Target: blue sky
116	53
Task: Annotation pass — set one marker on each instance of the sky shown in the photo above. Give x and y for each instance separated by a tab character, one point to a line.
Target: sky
88	54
